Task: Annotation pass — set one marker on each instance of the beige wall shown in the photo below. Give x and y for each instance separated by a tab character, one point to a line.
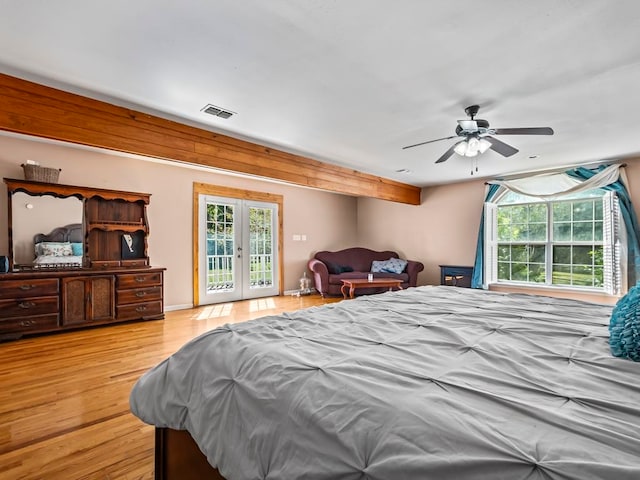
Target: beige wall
444	228
328	220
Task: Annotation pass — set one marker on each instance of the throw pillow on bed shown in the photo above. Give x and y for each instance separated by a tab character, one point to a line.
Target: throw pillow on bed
393	265
624	326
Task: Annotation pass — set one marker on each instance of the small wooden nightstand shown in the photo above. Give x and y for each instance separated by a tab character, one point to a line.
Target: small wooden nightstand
456	275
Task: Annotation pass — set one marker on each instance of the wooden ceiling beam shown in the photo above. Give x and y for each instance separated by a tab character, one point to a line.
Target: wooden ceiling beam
38	110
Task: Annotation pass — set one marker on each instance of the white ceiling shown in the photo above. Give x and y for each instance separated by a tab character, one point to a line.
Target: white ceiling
351	82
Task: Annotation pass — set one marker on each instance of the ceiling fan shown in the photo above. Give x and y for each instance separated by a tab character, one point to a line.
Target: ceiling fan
477	137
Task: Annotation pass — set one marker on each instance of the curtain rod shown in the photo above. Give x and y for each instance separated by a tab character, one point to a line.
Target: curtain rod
553	170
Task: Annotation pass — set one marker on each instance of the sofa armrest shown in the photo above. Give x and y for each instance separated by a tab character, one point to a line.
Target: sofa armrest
413	268
320	274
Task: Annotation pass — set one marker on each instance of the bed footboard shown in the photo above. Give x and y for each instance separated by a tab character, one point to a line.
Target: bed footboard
177	457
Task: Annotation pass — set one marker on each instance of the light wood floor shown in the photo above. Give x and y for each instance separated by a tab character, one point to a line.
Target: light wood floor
64	398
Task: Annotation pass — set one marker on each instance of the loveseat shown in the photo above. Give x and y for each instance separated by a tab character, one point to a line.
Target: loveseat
329	268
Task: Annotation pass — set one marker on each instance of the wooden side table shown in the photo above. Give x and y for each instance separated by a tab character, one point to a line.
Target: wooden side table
354	283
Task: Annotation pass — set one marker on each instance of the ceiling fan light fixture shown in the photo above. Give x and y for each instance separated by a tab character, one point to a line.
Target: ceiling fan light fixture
484	145
461	148
473	147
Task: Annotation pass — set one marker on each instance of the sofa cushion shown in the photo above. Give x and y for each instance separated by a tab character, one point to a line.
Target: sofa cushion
393	265
336	268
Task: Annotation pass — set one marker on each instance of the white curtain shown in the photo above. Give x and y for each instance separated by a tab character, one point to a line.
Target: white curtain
555	185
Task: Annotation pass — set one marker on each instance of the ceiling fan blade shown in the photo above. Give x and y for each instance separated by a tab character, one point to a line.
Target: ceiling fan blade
524	131
447	154
501	147
429	141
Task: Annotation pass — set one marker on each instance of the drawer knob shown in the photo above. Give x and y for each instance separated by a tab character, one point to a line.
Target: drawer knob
141	308
27	287
140	279
140	294
27	323
26	305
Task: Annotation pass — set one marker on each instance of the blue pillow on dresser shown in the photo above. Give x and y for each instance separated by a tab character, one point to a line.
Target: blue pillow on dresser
624	326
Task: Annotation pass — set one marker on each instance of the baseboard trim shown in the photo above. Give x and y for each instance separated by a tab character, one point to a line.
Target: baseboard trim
171	308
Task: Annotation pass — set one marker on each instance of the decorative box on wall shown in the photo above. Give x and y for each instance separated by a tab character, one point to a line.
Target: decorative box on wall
456	275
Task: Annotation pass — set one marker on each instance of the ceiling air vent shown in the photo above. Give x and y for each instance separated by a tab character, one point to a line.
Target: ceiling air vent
217	111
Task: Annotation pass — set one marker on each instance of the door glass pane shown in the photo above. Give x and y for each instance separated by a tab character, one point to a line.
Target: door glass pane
261	247
220	248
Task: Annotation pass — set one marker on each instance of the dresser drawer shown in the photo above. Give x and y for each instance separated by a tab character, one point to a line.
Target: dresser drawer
139	310
135	262
28	306
135	280
138	295
28	288
29	324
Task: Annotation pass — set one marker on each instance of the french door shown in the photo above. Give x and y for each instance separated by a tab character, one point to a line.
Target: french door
238	254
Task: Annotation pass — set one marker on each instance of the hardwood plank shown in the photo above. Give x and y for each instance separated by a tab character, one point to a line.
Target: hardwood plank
38	110
64	401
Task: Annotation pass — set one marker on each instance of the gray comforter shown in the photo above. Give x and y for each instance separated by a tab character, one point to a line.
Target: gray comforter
426	383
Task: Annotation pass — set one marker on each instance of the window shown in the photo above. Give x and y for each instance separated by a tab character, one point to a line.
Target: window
567	243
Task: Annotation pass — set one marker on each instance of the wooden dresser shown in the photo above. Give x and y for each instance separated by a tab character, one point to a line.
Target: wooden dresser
113	283
38	302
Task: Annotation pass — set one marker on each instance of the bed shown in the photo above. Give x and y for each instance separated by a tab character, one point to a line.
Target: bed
425	383
60	248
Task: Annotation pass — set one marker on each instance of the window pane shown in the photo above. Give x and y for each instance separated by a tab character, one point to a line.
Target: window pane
598	277
582	255
504	252
583	211
537	232
562	212
519	213
562	254
597	253
519	253
583	232
538	212
504	233
519	272
503	271
562	232
597	231
561	275
537	253
518	232
597	214
537	273
582	275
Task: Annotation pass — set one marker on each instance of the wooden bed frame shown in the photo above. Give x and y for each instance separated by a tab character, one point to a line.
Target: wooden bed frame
177	457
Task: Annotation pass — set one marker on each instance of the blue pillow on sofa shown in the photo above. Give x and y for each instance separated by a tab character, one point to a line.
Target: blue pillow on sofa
624	326
336	269
393	265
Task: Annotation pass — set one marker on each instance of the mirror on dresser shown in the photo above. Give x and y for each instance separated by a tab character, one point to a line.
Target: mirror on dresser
49	220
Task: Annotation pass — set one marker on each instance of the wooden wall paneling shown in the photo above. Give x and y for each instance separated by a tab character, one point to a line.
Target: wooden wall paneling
42	111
